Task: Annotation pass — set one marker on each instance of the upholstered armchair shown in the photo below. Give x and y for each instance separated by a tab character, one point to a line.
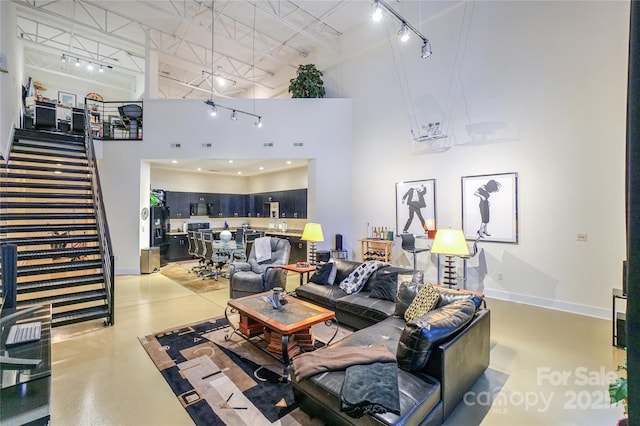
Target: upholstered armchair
252	276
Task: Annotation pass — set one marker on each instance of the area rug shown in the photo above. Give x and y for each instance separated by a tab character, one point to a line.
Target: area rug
225	382
179	272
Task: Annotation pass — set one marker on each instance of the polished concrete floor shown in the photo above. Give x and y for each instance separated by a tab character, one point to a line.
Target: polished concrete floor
547	367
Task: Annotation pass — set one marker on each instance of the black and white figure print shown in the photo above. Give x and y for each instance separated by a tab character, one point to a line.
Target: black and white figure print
416	207
490	207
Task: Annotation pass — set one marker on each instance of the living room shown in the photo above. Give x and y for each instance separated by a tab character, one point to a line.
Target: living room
554	114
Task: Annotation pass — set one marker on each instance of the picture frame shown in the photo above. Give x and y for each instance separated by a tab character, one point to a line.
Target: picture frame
419	216
490	207
67	99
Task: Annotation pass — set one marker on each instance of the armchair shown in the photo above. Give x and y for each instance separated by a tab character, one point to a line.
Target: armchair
252	277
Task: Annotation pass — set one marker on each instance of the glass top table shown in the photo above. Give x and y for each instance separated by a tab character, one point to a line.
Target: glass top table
285	330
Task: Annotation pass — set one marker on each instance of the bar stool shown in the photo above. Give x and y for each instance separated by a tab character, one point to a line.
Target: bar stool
409	245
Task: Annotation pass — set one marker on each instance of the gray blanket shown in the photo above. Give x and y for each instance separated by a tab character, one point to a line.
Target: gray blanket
338	358
370	389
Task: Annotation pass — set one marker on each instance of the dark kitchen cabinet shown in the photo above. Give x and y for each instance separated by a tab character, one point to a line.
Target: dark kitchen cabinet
178	248
179	204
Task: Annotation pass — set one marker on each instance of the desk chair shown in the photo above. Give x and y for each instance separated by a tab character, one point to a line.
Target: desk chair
216	259
409	245
192	238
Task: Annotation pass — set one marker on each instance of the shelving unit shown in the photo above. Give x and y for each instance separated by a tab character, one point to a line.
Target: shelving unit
376	249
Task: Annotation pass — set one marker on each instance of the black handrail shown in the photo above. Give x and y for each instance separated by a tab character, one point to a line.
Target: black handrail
106	248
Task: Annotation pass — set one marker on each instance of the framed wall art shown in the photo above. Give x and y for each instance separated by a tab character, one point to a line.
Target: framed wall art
416	206
490	207
67	99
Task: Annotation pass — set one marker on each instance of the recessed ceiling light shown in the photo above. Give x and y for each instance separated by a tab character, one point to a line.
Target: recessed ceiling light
230	161
174	161
289	162
261	168
239	173
199	169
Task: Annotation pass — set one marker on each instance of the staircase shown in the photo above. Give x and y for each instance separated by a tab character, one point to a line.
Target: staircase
51	209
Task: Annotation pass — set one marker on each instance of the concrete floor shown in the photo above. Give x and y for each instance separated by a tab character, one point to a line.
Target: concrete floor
547	367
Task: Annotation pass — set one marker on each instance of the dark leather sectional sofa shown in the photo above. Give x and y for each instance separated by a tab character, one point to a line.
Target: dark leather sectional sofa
455	345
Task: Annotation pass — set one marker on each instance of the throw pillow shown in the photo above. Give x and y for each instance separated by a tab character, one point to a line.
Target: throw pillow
426	300
387	284
325	274
386	287
356	279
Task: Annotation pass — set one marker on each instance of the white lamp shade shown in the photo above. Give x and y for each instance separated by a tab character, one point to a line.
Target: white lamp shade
312	232
450	242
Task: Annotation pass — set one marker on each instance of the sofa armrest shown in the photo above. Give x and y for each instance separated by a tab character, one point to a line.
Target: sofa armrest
460	361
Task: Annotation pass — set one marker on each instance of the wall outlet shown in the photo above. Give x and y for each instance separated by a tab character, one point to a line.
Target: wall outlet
500	276
582	237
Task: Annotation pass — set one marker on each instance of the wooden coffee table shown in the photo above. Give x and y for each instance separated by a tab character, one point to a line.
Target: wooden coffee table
281	333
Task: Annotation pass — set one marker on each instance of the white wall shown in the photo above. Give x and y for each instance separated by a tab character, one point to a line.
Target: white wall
548	81
10	82
286	121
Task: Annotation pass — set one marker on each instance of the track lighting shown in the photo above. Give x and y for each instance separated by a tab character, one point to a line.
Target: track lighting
101	69
404	32
425	50
77	62
377	13
64	58
234	112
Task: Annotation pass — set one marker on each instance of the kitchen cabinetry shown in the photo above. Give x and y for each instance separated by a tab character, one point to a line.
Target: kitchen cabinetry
178	248
179	204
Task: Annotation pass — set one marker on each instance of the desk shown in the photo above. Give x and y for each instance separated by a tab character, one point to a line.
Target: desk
300	270
25	394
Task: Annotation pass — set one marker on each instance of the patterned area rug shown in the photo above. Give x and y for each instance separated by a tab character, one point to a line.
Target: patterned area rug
179	272
225	382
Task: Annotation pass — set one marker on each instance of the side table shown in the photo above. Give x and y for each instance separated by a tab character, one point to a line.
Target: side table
616	294
300	270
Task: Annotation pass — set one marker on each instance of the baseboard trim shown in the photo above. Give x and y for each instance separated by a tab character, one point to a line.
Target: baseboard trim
124	271
541	302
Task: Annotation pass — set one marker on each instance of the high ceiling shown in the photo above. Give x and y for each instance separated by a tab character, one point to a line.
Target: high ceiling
256	43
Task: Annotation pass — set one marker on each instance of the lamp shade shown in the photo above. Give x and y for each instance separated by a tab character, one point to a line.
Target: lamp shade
312	232
450	242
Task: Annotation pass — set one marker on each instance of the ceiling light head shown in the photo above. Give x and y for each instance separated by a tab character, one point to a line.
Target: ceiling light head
214	111
221	81
233	117
89	66
259	122
425	51
77	62
64	58
377	13
404	32
101	69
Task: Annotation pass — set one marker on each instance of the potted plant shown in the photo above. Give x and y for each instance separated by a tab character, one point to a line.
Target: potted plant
618	394
308	83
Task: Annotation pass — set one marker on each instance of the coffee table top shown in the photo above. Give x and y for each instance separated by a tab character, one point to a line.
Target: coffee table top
294	316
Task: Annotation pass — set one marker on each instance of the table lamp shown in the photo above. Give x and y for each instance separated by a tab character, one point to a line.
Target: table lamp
450	242
312	233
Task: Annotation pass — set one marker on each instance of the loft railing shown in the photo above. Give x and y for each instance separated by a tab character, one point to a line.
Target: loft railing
106	248
114	120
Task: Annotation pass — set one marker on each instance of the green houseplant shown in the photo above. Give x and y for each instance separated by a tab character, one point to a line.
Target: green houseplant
307	83
618	394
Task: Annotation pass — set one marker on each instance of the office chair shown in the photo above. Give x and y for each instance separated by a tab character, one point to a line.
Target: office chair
192	238
409	245
216	259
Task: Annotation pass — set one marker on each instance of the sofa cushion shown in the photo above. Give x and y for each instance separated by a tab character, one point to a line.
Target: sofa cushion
375	278
421	335
426	299
359	276
407	291
364	306
449	295
323	295
325	274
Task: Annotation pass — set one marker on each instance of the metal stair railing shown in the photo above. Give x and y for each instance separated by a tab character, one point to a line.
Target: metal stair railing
106	248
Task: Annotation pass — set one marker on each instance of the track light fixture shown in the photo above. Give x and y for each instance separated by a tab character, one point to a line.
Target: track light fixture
426	49
404	30
89	65
64	58
77	62
234	112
